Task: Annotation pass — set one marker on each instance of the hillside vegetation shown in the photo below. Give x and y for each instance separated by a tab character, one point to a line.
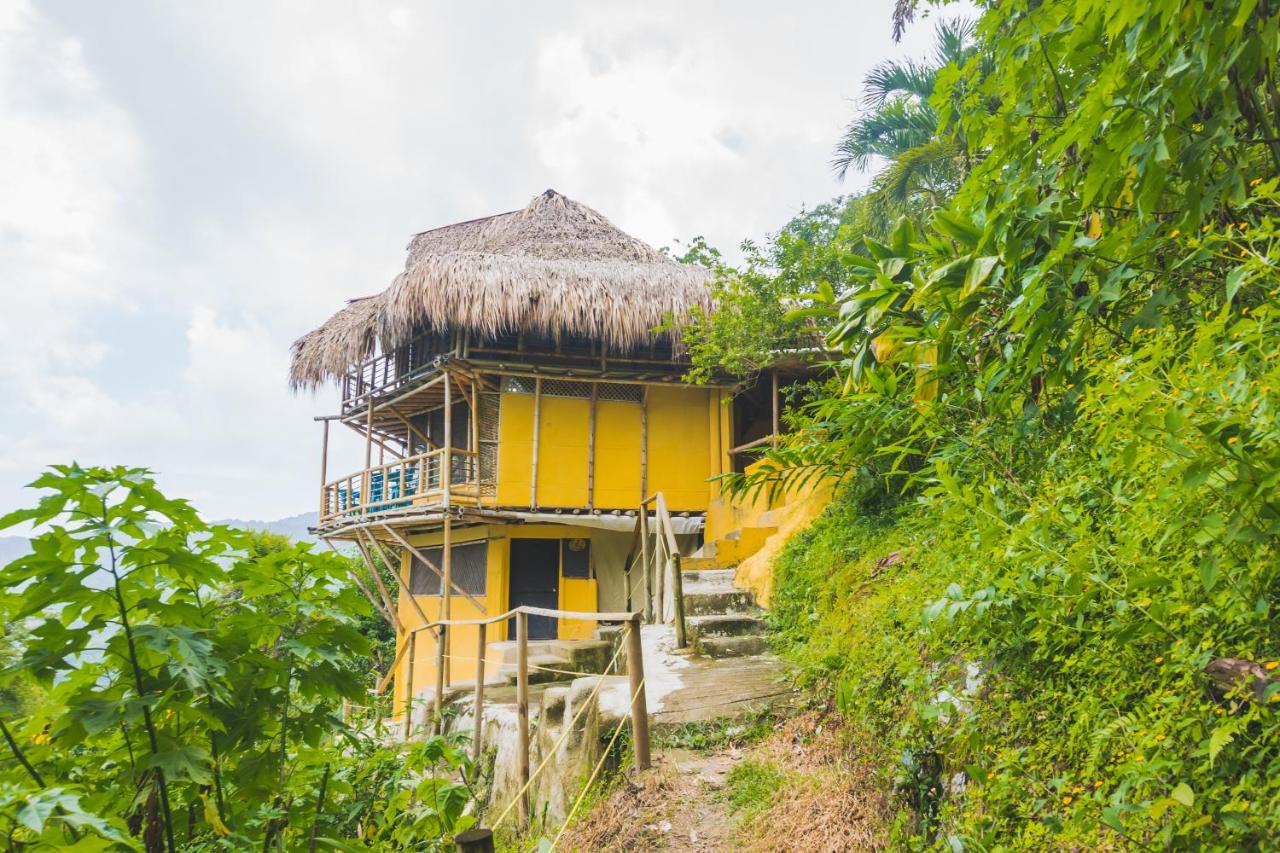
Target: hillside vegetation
1046	595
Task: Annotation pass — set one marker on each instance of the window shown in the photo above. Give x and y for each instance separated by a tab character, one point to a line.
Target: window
620	393
575	558
470	569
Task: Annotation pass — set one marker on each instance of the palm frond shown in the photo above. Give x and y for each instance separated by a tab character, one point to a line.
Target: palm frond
894	79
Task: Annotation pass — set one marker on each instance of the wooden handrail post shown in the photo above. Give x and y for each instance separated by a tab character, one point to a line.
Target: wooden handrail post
639	707
677	594
478	728
644	563
408	684
324	473
522	711
478	840
442	634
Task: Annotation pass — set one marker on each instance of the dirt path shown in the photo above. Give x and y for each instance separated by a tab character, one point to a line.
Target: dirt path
679	805
821	796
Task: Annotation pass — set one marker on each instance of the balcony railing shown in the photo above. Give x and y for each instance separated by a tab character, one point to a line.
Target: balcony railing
399	484
393	370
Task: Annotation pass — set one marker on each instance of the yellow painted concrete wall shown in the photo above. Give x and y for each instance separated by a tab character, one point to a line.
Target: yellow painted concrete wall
462	666
683	449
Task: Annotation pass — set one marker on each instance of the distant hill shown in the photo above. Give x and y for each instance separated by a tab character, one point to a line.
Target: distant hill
295	526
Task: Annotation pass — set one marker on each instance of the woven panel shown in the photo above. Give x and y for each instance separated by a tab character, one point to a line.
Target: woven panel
470	569
517	385
488	427
565	388
621	393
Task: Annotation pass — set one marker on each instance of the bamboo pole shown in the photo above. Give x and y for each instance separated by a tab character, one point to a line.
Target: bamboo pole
408	684
643	520
639	707
395	572
446	551
382	587
522	711
644	443
324	473
473	437
368	460
537	429
591	447
478	725
442	641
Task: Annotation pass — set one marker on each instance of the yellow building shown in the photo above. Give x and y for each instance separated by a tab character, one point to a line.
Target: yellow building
516	408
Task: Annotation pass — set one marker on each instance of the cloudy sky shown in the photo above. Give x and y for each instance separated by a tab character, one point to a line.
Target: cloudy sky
187	187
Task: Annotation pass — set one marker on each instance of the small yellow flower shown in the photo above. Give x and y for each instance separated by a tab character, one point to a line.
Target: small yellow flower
1270	665
1205	229
1159	738
1139	758
1160	659
1174	233
1232	440
1066	801
1255	182
1097	784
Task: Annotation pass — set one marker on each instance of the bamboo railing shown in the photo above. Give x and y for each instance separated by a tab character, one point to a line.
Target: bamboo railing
397	483
655	553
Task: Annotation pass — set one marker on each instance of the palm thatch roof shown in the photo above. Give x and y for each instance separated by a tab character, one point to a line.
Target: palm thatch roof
554	268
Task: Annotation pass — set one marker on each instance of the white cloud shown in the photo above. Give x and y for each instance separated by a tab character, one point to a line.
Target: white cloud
186	188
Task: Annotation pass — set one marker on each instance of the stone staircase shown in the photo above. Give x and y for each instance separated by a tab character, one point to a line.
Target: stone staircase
549	660
721	620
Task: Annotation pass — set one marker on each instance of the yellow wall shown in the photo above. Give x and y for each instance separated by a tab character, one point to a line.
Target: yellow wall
579	594
684	449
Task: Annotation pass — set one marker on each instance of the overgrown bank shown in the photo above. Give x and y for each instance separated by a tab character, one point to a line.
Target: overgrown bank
1032	653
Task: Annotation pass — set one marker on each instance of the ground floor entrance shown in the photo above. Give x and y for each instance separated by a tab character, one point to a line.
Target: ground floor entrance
535	582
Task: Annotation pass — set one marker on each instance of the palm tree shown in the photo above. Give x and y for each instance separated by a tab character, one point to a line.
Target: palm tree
923	164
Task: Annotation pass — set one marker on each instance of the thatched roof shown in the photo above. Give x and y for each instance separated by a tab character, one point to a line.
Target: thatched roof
555	268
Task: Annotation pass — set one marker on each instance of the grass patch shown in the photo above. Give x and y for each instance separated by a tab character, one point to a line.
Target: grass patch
752	786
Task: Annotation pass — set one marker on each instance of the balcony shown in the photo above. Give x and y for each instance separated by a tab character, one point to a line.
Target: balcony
393	371
399	485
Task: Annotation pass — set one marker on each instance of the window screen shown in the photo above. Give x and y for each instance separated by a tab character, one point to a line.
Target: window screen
470	569
575	558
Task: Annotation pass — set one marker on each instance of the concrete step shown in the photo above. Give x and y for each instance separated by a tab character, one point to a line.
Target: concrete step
711	600
724	625
713	575
541	675
732	647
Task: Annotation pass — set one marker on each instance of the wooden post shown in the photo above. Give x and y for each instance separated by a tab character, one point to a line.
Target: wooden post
324	473
476	840
442	640
639	707
478	728
408	684
644	443
446	546
591	447
677	595
537	429
367	483
522	711
446	587
643	521
475	437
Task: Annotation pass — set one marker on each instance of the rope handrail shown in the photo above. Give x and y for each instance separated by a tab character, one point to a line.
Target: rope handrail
530	610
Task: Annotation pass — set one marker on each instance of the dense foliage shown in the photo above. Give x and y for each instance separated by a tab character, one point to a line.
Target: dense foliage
1050	588
177	684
